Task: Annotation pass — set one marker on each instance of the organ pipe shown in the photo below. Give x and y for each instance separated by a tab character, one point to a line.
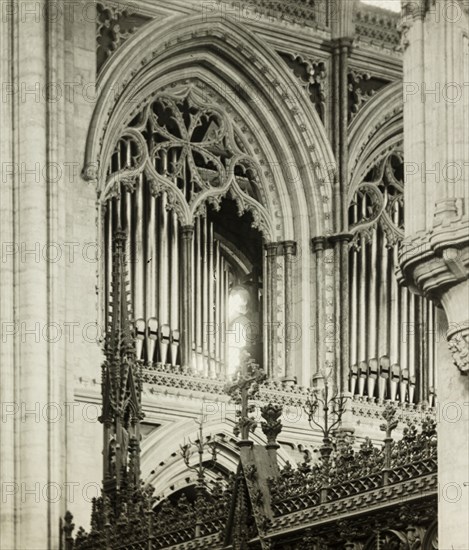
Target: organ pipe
218	307
150	287
205	347
198	295
210	309
394	324
223	312
139	266
373	298
362	336
174	285
179	279
385	321
354	295
187	244
405	327
383	348
163	303
411	358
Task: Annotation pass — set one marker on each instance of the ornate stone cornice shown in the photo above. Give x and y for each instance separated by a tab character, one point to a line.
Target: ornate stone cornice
436	263
377	26
437	259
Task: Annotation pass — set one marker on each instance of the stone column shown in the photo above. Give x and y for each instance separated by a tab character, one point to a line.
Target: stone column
435	253
289	250
342	41
32	280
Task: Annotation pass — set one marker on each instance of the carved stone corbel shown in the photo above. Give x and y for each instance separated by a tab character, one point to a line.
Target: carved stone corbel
458	343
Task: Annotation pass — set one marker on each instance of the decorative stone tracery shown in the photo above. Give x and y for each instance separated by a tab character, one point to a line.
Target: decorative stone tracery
200	154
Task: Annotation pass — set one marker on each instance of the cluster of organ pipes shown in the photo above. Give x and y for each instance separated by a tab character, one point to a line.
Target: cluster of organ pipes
211	284
156	275
393	332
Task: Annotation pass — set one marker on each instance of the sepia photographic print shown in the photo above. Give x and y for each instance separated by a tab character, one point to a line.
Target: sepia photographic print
234	275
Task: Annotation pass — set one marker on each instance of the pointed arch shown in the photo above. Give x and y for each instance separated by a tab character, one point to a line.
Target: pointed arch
375	131
161	460
226	56
286	132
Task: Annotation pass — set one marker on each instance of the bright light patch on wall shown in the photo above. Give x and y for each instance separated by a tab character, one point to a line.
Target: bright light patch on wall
236	336
393	5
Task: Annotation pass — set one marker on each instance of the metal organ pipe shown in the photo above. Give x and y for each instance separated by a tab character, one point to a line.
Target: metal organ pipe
383	331
179	278
198	295
354	306
210	309
205	315
218	306
394	324
139	267
373	297
362	298
174	282
411	346
223	313
389	354
150	283
164	298
404	343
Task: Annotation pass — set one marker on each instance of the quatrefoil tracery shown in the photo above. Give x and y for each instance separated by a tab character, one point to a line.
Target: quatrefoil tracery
192	152
380	202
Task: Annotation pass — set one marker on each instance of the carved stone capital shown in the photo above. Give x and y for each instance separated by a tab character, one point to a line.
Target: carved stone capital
281	248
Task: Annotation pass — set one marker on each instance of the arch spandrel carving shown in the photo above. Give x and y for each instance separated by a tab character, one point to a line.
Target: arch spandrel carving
374	132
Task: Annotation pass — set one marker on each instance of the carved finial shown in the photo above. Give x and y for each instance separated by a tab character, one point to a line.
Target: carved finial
271	426
244	389
67	529
389	415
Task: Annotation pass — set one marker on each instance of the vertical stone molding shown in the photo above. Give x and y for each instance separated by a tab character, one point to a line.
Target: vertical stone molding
435	254
279	289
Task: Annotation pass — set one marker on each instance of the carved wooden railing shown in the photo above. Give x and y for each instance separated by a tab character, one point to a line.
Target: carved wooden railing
370	474
349	472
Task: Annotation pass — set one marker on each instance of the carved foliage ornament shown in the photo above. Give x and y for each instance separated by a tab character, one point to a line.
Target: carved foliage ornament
361	88
193	152
379	201
114	26
312	76
459	347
